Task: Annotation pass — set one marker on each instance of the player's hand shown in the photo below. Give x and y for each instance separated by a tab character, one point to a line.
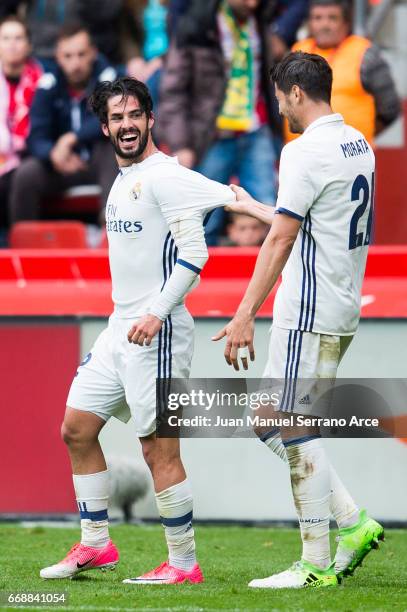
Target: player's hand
144	330
62	155
74	164
239	335
243	201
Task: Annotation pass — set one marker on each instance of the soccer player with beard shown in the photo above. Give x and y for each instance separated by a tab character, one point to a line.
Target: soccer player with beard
154	222
319	236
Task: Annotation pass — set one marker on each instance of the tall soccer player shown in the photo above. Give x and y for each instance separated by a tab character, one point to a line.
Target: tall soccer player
318	239
154	222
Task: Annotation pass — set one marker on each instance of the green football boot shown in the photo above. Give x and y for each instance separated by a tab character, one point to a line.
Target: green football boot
300	575
355	542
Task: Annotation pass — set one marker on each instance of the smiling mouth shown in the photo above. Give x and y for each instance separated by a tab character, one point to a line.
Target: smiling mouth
128	138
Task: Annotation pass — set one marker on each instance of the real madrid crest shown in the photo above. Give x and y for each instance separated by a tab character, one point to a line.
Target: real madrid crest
136	191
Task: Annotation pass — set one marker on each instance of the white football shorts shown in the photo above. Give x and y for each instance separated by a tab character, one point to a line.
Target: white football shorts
118	379
297	358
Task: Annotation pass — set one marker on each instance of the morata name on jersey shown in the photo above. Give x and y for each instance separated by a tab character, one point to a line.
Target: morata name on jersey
358	147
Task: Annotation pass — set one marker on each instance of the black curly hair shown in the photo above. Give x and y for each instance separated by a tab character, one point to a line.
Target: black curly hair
125	87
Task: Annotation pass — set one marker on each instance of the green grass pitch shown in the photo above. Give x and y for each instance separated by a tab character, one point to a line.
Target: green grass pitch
229	556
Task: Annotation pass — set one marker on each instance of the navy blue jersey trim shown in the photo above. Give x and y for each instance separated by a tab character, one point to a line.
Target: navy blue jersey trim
164	357
290	399
289	213
304	277
294	347
308	266
296	369
309	280
314	276
287	363
169	352
165	259
165	352
188	265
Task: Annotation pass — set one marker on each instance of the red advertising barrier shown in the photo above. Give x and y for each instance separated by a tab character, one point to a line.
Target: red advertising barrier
390	193
37	363
77	282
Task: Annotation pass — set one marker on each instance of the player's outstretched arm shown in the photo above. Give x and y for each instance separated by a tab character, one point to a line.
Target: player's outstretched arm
189	239
246	205
188	235
270	262
184	198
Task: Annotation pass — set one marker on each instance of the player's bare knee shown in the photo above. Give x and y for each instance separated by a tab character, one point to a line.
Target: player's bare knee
67	434
72	435
74	432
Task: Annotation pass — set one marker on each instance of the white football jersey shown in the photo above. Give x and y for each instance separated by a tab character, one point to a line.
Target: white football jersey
327	182
144	199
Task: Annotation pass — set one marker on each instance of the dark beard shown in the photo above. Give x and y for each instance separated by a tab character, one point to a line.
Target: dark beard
142	140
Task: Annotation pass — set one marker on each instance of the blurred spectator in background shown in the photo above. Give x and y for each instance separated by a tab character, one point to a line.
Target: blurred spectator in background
19	75
105	20
157	21
245	231
288	16
147	65
176	8
66	141
216	103
363	89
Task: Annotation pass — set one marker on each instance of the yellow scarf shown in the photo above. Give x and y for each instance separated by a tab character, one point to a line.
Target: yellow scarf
238	106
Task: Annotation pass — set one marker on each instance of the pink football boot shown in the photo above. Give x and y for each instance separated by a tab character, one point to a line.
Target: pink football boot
82	558
166	574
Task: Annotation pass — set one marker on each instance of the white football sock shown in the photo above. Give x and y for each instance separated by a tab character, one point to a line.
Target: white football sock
310	481
341	504
175	507
92	496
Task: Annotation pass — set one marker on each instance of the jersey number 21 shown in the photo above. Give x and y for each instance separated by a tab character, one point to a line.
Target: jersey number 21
362	188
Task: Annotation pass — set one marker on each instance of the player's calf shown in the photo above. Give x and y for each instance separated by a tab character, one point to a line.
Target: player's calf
80	431
175	507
